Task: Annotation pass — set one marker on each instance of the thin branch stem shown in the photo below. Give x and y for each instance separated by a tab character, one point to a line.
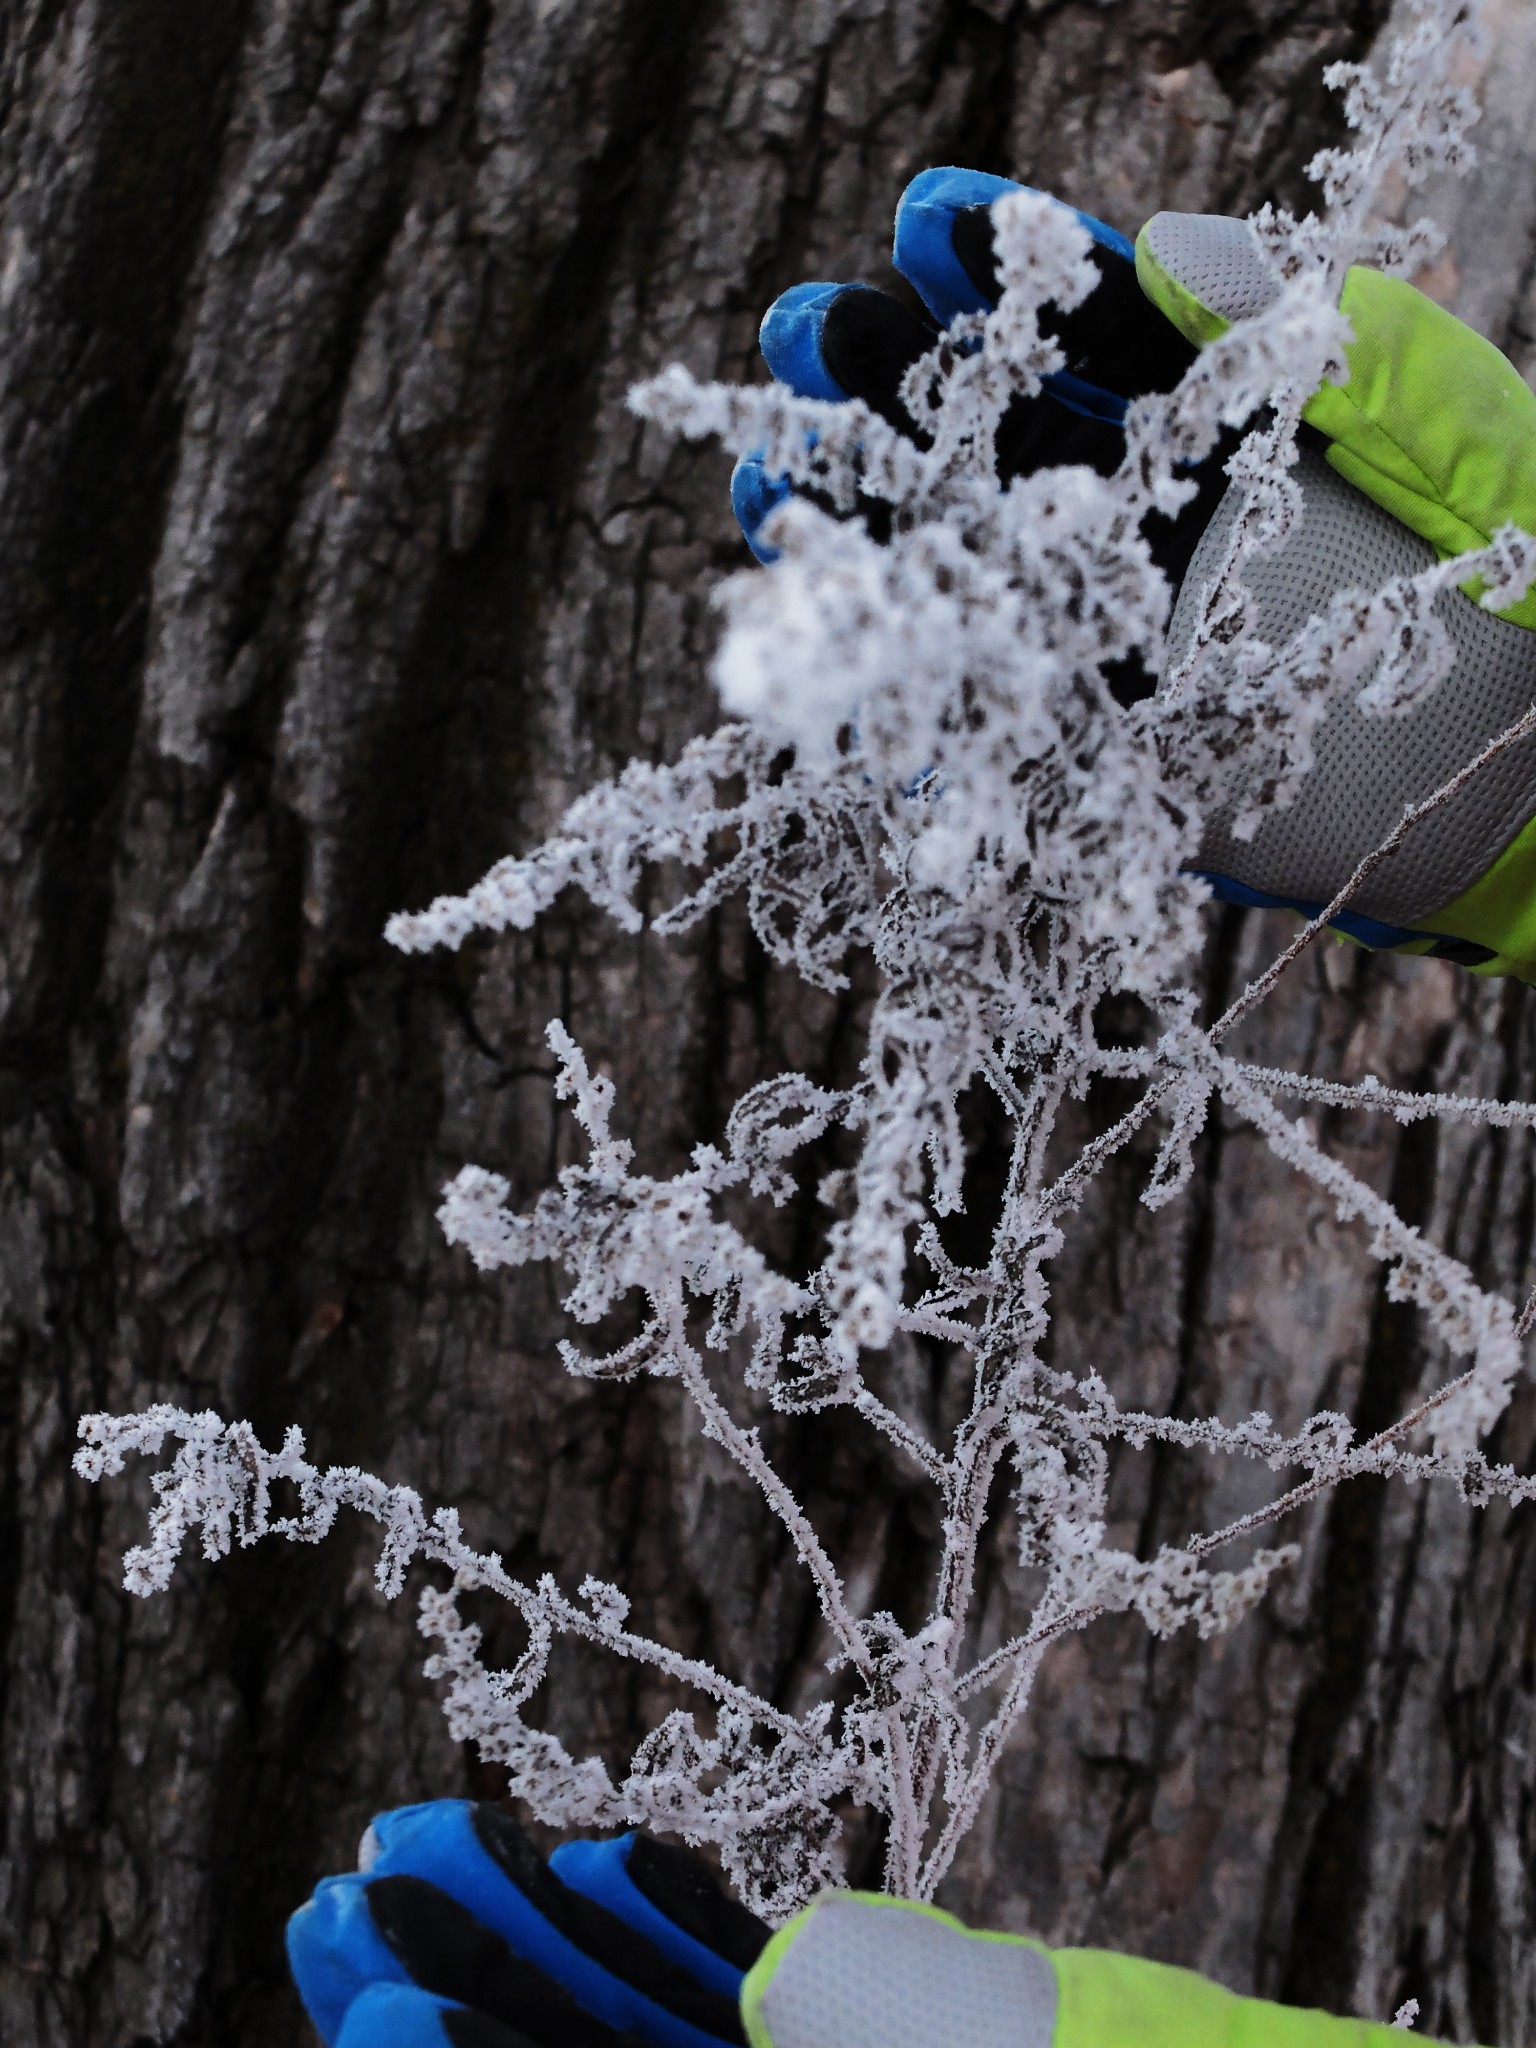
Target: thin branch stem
907	1439
1403	1103
991	1667
744	1447
904	1845
989	1748
1069	1185
686	1670
1361	1459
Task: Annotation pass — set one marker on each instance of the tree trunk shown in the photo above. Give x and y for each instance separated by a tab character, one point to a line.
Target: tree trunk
334	567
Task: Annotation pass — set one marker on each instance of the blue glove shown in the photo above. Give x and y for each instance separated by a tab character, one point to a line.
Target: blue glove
1464	889
841	341
454	1933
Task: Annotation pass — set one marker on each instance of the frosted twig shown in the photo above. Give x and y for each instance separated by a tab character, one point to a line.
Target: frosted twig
1364	1458
989	1749
1094	1156
905	1438
745	1447
1405	1104
930	793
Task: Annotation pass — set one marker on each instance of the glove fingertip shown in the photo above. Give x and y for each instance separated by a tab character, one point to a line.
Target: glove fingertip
402	1828
754	494
923	248
336	1953
398	2016
790	339
925	242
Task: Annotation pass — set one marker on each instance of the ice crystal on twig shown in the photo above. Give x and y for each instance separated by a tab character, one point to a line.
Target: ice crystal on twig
928	769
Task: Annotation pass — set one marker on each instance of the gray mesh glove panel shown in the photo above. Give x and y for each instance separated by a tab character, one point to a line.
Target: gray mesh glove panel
1216	258
873	1973
1370	768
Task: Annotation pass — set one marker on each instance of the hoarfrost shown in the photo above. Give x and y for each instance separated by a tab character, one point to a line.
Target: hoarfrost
927	768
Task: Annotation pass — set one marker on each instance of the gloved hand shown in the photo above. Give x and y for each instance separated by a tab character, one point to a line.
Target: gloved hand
454	1933
841	341
457	1935
1427	450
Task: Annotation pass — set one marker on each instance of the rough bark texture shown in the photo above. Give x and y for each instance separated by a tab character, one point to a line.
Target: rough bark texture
333	566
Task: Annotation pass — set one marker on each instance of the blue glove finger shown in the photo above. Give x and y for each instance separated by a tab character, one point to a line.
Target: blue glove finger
369	1936
400	2016
925	251
835	341
668	1896
335	1952
754	494
943	247
830	342
841	341
791	339
480	1858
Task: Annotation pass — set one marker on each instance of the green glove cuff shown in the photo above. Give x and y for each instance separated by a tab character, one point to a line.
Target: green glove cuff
860	1970
1499	911
1106	2000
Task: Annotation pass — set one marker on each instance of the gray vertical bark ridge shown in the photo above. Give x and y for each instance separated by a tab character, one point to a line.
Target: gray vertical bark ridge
334	566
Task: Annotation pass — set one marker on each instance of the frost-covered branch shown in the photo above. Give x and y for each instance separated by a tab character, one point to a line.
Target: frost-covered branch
1406	1105
928	773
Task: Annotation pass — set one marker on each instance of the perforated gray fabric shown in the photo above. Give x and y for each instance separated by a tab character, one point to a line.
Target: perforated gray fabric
863	1974
1369	769
1215	257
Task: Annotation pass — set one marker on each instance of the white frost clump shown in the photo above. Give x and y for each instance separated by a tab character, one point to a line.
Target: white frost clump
927	768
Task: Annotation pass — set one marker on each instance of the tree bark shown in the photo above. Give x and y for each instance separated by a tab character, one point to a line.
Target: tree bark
334	568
